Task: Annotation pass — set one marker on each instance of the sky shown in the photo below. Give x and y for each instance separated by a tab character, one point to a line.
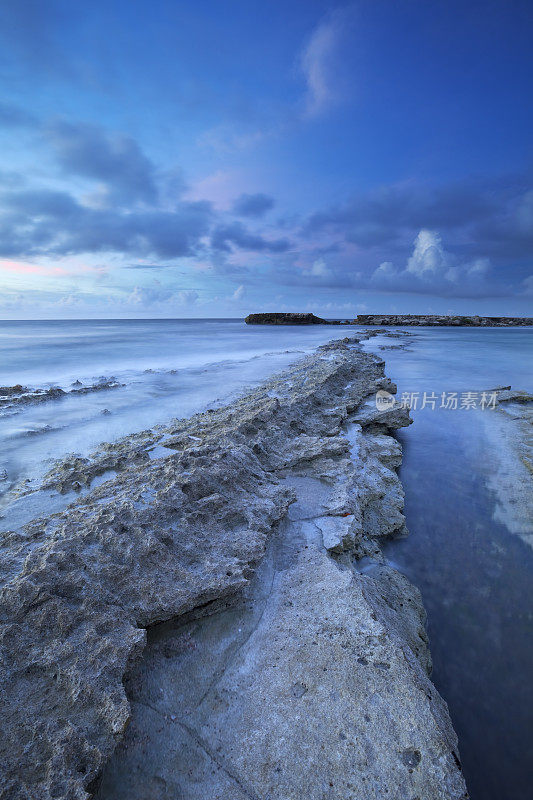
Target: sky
208	159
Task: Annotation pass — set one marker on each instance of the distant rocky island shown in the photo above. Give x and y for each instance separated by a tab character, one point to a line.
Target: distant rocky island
292	318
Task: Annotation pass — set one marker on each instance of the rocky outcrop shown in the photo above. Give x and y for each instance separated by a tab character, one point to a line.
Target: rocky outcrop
13	396
441	319
430	320
280	662
284	318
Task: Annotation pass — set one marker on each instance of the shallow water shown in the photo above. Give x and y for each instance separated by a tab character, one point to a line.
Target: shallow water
474	572
165	368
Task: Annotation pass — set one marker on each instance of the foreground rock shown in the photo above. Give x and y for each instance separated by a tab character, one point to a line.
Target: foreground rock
430	320
280	670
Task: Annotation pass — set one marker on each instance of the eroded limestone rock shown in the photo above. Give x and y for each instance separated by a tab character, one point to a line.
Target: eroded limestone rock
316	685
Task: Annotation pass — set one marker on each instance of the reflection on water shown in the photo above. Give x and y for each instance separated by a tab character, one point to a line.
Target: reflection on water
474	574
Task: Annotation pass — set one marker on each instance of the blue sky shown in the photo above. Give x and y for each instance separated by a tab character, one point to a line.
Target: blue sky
211	159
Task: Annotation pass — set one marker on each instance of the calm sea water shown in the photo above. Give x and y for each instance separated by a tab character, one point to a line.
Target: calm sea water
168	368
474	572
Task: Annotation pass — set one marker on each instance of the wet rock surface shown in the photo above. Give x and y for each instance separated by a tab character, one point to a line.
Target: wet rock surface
276	666
12	397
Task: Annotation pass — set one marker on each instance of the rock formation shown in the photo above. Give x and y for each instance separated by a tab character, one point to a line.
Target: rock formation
430	320
285	659
284	318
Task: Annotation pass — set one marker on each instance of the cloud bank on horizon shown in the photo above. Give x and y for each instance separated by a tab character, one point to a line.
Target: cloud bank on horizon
193	160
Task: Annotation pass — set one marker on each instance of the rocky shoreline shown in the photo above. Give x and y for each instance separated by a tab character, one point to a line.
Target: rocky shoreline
429	320
283	657
508	425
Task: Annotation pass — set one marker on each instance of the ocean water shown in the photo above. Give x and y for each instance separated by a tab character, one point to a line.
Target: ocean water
164	368
474	570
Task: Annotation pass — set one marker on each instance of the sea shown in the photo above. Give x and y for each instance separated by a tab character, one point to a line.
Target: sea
466	551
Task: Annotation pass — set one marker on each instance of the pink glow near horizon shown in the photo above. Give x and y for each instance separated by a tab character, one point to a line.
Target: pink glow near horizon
24	268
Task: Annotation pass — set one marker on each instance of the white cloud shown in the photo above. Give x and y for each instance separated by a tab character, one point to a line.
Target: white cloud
188	297
320	269
317	62
478	267
453	274
385	270
430	265
238	294
69	300
428	255
146	296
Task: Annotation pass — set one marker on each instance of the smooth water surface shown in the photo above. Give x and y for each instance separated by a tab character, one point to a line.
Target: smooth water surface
165	368
476	576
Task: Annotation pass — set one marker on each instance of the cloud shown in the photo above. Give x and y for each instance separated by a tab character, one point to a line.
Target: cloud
188	297
235	233
54	223
148	295
430	269
23	268
428	255
320	269
528	285
253	205
483	221
238	294
385	270
385	211
115	161
146	266
42	203
509	234
319	62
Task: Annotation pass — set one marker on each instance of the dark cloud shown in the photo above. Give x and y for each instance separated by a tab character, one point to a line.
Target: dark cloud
253	205
509	235
116	161
479	218
225	237
54	223
391	208
41	203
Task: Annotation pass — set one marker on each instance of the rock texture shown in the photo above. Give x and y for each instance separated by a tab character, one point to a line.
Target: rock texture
13	396
280	671
284	318
389	319
442	319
